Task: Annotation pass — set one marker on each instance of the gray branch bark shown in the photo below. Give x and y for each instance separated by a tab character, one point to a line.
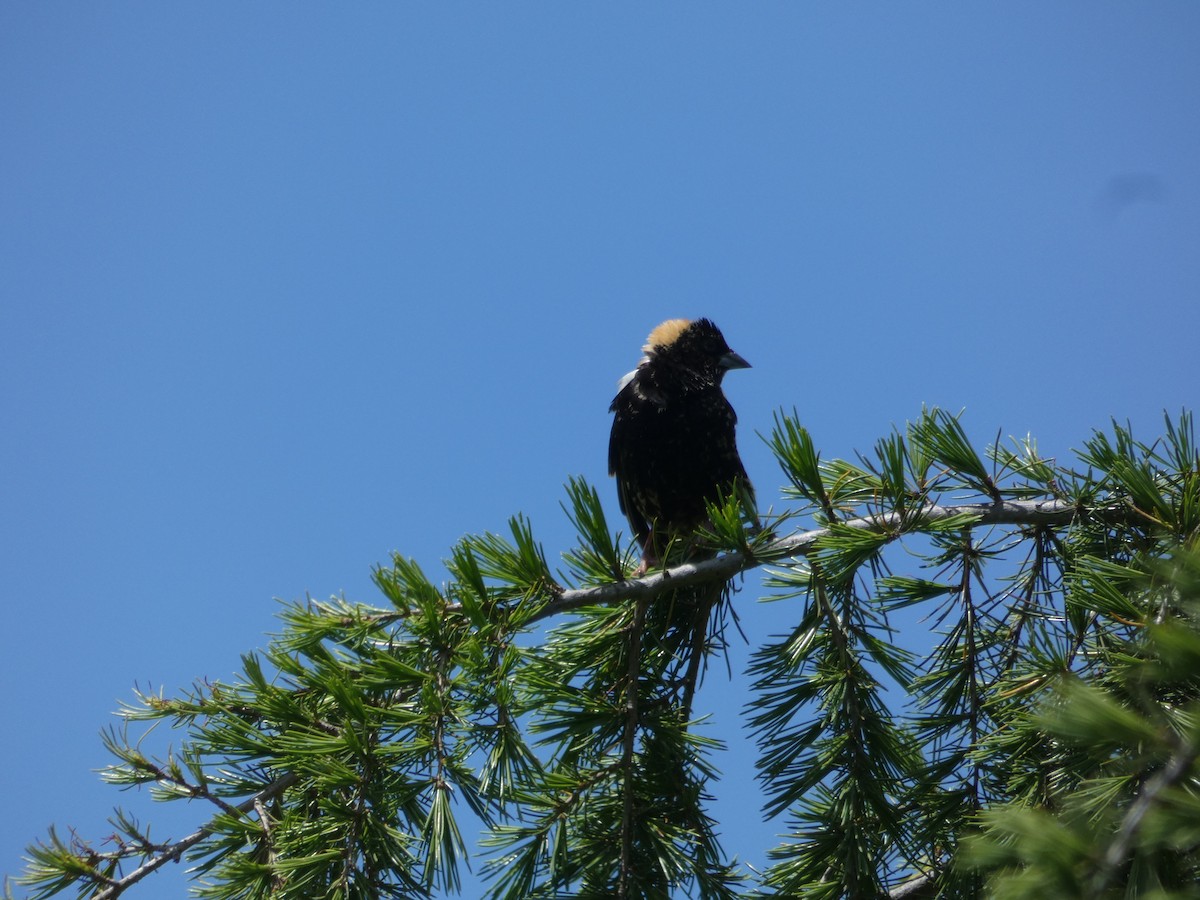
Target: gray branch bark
727	565
115	888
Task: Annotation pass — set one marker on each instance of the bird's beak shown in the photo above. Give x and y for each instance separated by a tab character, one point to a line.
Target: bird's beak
732	361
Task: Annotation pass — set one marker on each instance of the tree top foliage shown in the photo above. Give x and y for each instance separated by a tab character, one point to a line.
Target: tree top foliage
1045	745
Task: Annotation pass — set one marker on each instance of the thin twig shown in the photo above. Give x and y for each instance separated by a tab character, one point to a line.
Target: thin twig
630	738
176	850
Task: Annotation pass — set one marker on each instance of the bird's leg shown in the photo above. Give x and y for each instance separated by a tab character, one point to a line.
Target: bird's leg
648	562
650	558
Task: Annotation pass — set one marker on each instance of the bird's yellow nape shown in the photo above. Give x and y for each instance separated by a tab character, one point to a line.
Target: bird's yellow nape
666	334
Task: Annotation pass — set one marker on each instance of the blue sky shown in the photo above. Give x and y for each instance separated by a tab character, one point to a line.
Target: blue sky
286	287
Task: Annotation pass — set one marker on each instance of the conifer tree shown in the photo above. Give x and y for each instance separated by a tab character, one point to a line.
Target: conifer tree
1046	746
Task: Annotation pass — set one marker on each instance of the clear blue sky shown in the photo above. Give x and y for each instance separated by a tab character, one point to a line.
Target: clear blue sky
286	287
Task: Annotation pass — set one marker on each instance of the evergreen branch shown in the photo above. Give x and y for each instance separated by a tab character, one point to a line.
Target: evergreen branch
1046	513
727	565
385	712
173	852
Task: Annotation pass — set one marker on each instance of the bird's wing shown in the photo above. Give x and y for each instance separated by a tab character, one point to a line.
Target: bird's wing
617	463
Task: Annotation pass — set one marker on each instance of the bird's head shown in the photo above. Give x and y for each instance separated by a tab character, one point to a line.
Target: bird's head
695	345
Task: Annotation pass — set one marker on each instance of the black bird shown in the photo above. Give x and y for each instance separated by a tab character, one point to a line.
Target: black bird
673	448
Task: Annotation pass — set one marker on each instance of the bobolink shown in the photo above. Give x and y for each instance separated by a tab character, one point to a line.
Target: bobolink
672	447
